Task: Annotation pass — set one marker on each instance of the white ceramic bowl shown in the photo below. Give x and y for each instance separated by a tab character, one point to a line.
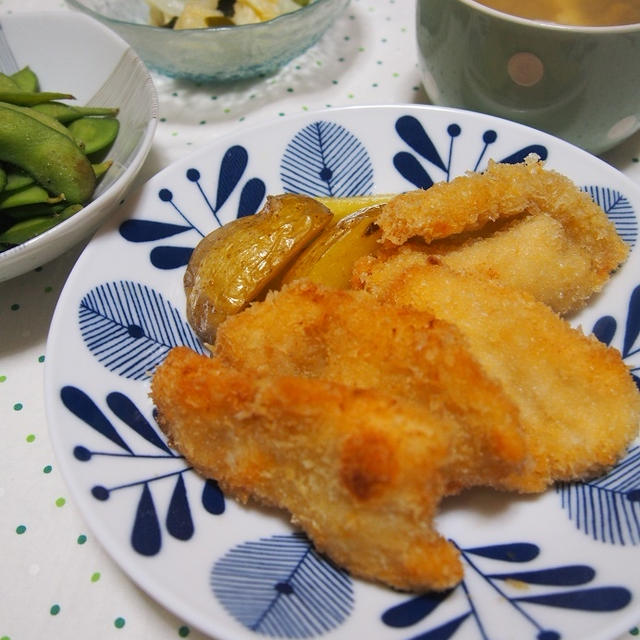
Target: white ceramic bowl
72	52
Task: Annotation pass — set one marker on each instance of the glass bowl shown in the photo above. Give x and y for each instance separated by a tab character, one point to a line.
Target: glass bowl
220	53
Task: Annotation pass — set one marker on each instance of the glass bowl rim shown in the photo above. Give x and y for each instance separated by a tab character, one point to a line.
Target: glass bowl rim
80	6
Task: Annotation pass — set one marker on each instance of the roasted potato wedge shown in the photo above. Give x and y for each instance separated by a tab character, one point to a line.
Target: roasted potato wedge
329	259
235	263
343	206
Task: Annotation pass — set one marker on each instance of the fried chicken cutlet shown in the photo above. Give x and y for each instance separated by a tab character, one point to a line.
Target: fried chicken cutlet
361	472
532	253
524	225
349	338
578	404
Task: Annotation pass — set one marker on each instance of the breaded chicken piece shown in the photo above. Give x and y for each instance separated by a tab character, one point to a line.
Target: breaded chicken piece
361	472
573	236
578	404
532	253
347	337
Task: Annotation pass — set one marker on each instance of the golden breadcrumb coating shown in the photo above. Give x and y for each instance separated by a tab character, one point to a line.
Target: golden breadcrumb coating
446	366
347	337
361	472
579	406
519	223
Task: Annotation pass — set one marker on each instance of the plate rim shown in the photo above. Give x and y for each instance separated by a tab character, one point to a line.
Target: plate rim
159	593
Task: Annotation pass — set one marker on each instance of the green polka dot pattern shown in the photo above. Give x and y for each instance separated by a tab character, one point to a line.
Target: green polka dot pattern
49	551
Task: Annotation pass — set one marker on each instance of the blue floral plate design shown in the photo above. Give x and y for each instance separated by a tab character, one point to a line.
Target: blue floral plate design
561	565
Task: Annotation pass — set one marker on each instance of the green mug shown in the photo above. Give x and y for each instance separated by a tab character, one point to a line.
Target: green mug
581	84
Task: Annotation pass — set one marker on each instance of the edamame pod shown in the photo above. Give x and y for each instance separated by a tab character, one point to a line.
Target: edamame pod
68	113
94	134
100	168
29	98
32	194
52	159
41	117
26	229
15	214
45	172
17	180
7	83
26	79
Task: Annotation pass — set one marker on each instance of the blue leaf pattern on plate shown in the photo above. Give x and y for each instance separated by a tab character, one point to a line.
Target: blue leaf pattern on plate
412	168
325	159
127	411
445	631
559	576
251	197
146	532
606	327
280	587
146	537
408	166
608	508
632	326
620	211
600	599
212	497
179	521
83	407
169	258
233	165
521	154
592	599
149	230
412	611
512	552
412	132
130	328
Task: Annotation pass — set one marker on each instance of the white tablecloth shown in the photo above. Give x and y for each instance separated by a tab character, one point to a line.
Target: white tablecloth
56	581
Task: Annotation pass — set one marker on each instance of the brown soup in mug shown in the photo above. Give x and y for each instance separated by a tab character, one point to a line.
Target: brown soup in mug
588	13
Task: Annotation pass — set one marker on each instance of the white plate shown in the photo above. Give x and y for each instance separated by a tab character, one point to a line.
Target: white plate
73	53
560	565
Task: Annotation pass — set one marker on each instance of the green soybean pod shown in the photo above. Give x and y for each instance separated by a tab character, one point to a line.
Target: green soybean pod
95	134
66	113
29	98
26	229
17	179
100	168
7	83
26	79
41	117
31	211
31	194
54	160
